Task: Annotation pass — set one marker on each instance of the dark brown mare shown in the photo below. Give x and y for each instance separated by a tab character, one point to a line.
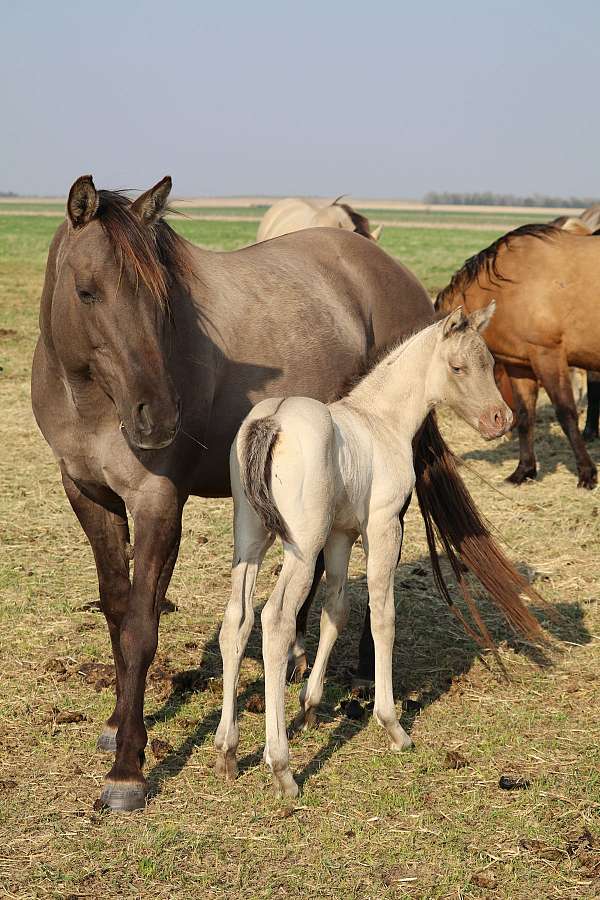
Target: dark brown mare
151	353
547	291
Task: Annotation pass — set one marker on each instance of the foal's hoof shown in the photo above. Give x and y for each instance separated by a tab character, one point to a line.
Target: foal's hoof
297	668
124	796
226	765
284	784
402	743
522	474
107	742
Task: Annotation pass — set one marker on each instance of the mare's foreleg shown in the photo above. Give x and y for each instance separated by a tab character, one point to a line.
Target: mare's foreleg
334	618
157	534
525	388
383	542
108	534
552	370
251	542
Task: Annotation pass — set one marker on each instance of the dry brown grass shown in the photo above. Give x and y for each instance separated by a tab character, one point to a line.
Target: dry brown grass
369	824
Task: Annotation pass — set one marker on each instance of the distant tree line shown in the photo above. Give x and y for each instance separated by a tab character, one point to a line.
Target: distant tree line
487	198
7	194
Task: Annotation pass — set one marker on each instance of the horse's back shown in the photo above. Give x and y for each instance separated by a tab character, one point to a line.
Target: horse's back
285	217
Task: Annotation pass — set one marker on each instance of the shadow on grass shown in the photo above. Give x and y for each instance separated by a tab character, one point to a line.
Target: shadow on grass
431	654
552	447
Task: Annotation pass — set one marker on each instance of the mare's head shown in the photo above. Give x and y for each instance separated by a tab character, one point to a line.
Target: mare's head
108	310
462	373
342	215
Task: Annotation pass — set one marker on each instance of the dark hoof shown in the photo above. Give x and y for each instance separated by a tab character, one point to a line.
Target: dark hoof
107	742
226	765
589	435
124	796
588	479
521	474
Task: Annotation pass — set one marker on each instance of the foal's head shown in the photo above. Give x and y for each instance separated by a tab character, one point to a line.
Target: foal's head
114	268
462	373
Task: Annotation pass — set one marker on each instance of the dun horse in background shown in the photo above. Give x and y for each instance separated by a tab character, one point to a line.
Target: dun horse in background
295	214
545	282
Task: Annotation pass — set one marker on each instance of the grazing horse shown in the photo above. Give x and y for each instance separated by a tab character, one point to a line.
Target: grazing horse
295	214
545	282
152	352
318	477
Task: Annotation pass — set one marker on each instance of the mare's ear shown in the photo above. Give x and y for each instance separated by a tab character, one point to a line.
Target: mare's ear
151	205
456	321
82	204
376	233
481	318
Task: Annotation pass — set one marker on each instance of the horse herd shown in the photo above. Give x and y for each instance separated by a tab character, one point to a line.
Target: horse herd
152	353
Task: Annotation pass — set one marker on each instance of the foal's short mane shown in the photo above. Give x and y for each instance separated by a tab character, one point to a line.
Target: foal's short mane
360	222
486	261
155	254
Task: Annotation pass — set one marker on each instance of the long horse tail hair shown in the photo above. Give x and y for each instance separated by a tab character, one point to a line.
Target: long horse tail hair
259	438
449	513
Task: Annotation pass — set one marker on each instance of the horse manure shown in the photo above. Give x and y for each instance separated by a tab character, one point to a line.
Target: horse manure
90	606
68	717
201	539
191	681
484	880
276	569
7	784
55	665
191	645
161	749
455	760
352	709
255	704
507	783
167	606
99	675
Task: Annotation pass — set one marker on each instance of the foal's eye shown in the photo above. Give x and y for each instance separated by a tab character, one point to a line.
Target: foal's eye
86	297
456	369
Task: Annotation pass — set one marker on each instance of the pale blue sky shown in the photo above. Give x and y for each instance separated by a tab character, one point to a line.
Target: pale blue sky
381	99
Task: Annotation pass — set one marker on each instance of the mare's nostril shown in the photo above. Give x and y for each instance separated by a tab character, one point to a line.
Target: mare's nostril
145	422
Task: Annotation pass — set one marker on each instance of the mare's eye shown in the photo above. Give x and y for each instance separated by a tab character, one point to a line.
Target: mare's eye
86	297
456	369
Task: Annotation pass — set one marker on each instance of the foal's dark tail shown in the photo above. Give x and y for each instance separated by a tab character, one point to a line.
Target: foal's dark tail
259	438
449	511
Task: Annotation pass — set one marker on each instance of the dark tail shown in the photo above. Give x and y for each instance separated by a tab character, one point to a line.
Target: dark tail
259	439
449	511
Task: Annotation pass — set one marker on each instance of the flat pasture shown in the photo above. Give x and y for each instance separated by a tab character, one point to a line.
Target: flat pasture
433	823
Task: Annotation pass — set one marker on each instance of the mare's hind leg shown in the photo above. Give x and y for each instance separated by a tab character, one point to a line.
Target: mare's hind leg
382	545
334	618
297	660
525	389
251	542
108	533
551	369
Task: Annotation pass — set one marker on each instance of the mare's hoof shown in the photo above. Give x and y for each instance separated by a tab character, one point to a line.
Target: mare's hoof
522	474
284	784
124	796
297	669
226	765
107	742
588	478
305	720
590	434
362	688
403	743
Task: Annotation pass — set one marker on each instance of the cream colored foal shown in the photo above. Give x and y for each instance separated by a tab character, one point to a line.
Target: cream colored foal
318	477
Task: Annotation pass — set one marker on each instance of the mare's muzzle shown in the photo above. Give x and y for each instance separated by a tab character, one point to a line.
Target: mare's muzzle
495	421
153	425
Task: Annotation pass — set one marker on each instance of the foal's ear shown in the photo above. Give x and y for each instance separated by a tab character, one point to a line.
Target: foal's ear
481	318
151	205
82	204
376	233
456	321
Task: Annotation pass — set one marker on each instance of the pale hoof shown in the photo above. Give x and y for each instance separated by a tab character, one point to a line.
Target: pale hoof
226	765
125	796
399	745
284	784
107	742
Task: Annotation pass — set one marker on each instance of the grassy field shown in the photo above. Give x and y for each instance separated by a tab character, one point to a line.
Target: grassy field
368	824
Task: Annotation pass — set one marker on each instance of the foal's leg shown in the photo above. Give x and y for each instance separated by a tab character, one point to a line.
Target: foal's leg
157	534
590	432
251	542
279	627
297	660
108	534
382	545
525	389
334	618
552	370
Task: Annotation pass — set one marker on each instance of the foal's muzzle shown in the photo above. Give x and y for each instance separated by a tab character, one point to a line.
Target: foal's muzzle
495	421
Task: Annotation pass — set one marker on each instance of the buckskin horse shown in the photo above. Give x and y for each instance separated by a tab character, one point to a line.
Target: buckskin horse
152	352
297	213
545	283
